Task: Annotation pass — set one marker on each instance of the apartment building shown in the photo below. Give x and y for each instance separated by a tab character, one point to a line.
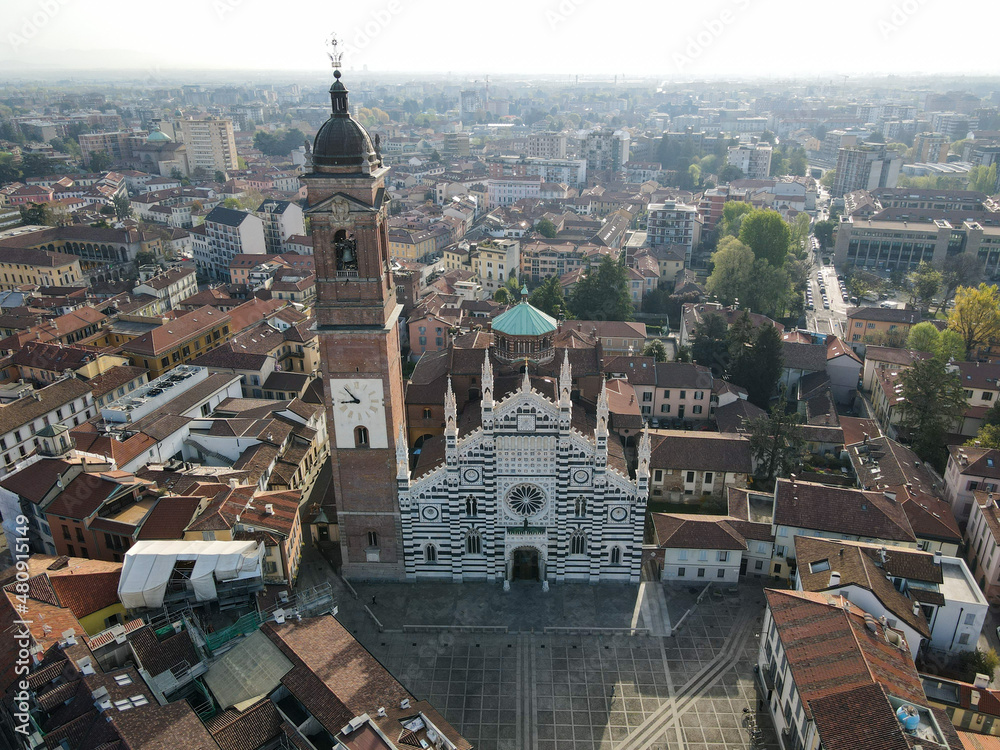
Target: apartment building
865	167
178	341
282	220
169	286
675	224
881	326
211	144
225	234
20	266
606	150
930	147
970	468
506	191
754	160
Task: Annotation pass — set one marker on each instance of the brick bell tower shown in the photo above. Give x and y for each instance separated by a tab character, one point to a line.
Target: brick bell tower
356	316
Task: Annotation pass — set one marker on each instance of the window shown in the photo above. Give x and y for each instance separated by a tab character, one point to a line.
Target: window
696	409
581	507
758	565
665	408
473	544
699	395
970	619
684	394
373	539
703	554
427	413
647	396
690	477
666	394
471	507
616	555
578	543
720	573
360	437
782	531
430	553
761	548
682	554
681	572
723	556
779	551
701	572
708	477
66	534
963	639
819	566
79	534
987	395
658	475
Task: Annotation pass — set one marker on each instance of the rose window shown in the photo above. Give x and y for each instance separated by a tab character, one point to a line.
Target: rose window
525	500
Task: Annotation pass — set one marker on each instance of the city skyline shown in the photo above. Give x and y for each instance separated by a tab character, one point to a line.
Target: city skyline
734	38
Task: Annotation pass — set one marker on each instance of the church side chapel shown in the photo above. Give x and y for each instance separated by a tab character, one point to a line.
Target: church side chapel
504	456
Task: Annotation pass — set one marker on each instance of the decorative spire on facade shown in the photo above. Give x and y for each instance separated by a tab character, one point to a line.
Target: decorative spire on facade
450	410
526	380
487	380
402	455
644	455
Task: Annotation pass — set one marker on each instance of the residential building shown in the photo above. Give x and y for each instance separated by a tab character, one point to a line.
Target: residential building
844	368
694	314
832	675
282	220
606	150
20	266
754	160
674	224
571	172
932	599
211	144
509	190
493	262
931	147
704	549
882	358
970	468
687	466
547	145
878	325
865	167
225	234
170	286
974	706
178	341
982	538
67	402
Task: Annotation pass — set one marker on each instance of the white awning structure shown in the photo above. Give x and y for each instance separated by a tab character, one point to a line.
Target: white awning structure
149	566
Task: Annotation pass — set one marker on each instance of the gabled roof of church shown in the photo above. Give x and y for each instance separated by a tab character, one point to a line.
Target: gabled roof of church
524	320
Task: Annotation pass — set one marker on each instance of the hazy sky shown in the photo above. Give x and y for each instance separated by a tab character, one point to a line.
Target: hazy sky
668	38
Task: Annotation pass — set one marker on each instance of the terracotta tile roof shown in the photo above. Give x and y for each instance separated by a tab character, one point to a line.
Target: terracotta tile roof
334	676
882	314
976	741
820	507
858	565
169	517
683	531
638	370
155	727
700	451
894	356
40	402
114	378
248	729
732	417
837	348
683	375
156	656
856	428
34	481
810	357
82	497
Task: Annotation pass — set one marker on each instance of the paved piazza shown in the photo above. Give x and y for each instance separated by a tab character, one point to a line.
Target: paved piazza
509	682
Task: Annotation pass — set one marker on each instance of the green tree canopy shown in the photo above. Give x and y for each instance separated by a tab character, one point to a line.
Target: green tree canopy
824	233
546	228
39	214
976	316
924	337
548	297
732	217
710	347
603	293
122	207
767	234
100	161
278	143
654	348
933	400
732	267
951	346
757	361
776	444
961	269
924	283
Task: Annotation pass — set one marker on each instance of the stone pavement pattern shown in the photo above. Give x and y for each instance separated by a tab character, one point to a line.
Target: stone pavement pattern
531	690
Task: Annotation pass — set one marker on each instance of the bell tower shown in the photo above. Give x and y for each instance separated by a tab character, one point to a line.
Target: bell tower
357	322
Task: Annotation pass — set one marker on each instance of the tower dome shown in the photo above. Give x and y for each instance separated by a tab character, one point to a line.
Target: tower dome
342	143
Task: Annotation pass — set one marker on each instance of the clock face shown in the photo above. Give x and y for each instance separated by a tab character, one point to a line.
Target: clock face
471	476
619	514
358	402
430	513
581	476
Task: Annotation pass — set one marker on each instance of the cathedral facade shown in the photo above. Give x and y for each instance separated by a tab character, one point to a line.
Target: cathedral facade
530	493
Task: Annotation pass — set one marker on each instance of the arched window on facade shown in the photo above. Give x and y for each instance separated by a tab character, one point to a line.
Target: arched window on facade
473	544
430	553
360	437
580	507
373	539
578	543
616	555
471	506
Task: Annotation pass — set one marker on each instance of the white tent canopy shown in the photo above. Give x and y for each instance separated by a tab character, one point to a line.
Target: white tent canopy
149	565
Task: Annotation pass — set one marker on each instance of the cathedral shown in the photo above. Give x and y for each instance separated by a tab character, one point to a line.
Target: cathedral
501	459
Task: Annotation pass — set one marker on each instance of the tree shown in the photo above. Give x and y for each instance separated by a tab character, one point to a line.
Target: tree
710	347
220	176
987	437
984	179
756	364
100	161
548	298
976	316
732	267
37	165
503	296
933	399
961	269
730	172
9	171
767	234
776	444
278	143
122	207
924	283
799	234
654	348
979	662
827	179
924	337
732	217
951	346
824	233
546	228
37	214
992	418
603	293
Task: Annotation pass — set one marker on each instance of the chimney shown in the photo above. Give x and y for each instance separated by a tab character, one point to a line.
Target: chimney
834	579
916	608
937	557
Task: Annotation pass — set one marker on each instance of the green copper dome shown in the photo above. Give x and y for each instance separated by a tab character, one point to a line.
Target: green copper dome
157	136
524	320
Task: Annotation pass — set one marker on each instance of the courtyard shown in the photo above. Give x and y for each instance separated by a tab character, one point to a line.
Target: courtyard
579	666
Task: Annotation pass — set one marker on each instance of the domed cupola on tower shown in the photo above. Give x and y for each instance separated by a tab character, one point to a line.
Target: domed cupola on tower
342	144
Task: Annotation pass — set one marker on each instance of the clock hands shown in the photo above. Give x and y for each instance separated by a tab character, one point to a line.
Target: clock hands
354	399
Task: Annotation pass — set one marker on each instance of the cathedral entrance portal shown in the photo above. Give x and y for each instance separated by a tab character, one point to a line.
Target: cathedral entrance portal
524	564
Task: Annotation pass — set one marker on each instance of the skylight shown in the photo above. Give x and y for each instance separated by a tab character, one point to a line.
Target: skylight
819	566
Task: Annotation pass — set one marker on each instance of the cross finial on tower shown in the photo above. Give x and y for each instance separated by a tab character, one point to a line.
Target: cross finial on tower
335	51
